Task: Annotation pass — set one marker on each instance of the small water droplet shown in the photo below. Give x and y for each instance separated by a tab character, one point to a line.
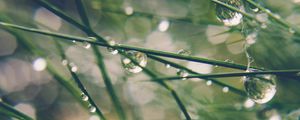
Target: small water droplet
292	31
277	16
92	109
86	45
139	57
216	66
92	38
227	16
298	74
84	97
64	62
229	61
128	10
74	41
163	25
184	52
260	88
39	64
209	83
225	89
183	73
167	65
110	49
249	103
74	69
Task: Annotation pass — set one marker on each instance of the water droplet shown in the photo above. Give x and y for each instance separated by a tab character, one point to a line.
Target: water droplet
262	17
260	88
251	38
139	57
167	65
277	16
74	41
209	83
87	45
92	109
64	62
225	89
227	16
39	64
183	73
216	66
74	69
184	52
84	97
249	103
292	31
229	61
92	38
110	49
128	10
163	25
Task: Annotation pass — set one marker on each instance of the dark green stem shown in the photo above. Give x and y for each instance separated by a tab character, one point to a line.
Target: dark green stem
9	110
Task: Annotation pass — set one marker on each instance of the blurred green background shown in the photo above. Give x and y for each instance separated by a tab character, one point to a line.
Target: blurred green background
167	25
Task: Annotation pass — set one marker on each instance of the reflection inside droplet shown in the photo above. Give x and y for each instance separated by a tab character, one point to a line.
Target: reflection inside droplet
39	64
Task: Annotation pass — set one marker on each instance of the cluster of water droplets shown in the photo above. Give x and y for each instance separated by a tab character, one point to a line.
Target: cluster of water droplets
130	66
85	44
111	43
180	72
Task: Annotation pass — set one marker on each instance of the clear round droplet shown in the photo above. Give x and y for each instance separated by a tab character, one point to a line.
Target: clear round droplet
84	97
260	88
163	25
227	16
167	65
39	64
183	73
74	69
209	83
92	109
249	103
130	66
128	10
184	52
225	89
64	62
74	41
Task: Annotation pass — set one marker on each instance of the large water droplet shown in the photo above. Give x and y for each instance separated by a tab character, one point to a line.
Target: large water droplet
228	16
139	57
260	88
92	109
84	97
